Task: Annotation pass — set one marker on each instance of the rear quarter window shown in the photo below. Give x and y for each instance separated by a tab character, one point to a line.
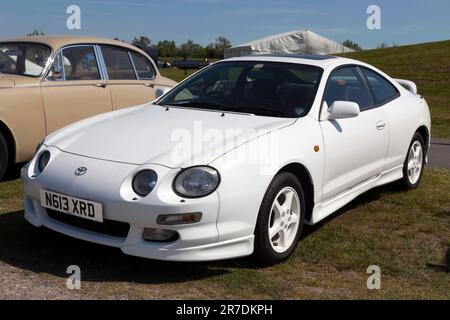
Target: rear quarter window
382	90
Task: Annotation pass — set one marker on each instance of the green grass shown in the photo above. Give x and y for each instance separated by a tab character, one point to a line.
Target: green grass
176	74
405	233
428	65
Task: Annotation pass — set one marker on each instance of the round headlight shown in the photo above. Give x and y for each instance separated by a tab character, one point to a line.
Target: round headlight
144	182
43	160
196	182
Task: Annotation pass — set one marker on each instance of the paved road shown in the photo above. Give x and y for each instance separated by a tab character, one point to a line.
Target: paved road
439	155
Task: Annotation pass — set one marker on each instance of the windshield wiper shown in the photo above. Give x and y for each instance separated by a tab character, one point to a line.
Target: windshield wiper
199	105
264	111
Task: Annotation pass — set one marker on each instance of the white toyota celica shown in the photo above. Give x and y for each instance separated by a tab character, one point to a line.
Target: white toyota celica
231	162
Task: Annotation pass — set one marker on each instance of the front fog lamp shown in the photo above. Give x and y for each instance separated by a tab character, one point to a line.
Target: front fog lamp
43	160
144	182
173	219
159	235
196	182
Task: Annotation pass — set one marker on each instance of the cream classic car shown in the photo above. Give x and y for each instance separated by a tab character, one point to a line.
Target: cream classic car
48	82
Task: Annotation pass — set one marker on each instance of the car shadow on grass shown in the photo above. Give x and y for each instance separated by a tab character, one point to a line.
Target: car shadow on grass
13	172
361	200
41	250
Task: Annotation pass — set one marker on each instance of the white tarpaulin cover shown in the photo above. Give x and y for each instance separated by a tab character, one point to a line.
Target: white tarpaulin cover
302	41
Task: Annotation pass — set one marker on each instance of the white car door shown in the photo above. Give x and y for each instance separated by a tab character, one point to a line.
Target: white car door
355	148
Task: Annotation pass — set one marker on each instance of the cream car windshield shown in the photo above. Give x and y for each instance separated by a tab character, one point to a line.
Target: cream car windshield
23	59
264	88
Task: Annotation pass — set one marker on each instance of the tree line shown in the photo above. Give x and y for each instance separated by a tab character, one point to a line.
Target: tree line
214	50
168	48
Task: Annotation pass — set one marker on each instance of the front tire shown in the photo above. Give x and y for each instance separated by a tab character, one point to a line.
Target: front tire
280	219
414	163
4	157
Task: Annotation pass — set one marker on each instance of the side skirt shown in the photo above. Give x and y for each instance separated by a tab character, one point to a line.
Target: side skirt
324	209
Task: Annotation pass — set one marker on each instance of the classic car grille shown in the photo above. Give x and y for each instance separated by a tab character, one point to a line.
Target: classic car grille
108	227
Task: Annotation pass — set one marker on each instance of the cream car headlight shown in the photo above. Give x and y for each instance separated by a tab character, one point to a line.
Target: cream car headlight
196	182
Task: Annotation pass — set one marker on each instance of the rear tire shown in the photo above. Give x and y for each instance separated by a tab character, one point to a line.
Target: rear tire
414	163
280	220
4	157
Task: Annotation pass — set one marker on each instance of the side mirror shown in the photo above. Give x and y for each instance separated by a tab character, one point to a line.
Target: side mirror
161	91
56	70
343	110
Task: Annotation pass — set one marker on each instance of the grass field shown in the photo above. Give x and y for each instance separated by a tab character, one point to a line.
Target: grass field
407	234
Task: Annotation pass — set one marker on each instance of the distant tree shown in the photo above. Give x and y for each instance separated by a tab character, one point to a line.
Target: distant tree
219	45
383	45
36	32
142	41
210	51
352	45
191	49
167	48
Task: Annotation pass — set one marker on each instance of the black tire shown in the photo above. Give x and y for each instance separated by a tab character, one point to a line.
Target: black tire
406	180
263	251
4	157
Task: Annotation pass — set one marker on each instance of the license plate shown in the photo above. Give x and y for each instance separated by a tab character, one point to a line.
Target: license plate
74	206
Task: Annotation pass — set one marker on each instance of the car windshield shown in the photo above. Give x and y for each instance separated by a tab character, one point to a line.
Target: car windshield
262	88
23	59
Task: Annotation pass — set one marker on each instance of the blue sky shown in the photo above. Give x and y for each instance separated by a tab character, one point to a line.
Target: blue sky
402	22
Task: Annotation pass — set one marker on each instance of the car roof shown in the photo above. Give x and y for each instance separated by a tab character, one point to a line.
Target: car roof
56	42
322	61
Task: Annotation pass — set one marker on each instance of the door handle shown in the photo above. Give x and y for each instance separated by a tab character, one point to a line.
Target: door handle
101	85
150	85
381	125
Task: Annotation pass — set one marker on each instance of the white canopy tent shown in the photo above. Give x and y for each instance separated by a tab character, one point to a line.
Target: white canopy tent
302	41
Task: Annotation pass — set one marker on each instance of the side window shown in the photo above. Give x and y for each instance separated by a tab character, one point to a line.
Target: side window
143	68
80	63
382	89
346	84
118	64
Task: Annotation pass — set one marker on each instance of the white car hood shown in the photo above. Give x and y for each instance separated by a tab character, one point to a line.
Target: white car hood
178	137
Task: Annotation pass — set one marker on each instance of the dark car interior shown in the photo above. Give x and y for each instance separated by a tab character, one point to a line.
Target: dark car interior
270	87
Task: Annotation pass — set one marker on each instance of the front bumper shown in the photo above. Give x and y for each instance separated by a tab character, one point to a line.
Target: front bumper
107	182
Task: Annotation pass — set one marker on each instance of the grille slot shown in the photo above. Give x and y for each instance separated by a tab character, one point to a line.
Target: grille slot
108	227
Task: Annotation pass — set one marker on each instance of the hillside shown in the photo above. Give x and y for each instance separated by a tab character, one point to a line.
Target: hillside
428	65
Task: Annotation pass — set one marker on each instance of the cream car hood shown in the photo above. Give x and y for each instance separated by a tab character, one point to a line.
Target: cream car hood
178	137
6	82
